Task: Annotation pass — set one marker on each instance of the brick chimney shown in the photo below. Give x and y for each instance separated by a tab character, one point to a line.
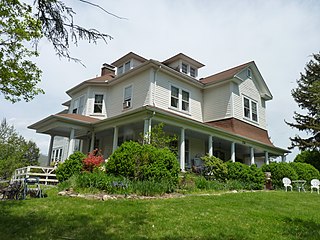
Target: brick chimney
107	69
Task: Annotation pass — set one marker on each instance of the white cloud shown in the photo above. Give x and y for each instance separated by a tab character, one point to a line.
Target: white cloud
278	35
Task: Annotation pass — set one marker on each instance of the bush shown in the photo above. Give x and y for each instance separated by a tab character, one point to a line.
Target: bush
151	187
250	177
72	165
305	171
311	157
93	160
143	162
215	168
278	172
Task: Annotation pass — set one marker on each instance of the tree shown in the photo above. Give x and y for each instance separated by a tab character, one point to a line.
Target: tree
15	151
311	157
21	27
307	95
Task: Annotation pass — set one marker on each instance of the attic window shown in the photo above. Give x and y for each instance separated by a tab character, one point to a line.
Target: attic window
193	72
184	68
249	73
127	66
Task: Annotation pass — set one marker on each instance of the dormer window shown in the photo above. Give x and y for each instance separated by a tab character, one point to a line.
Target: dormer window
250	108
184	68
120	70
127	66
193	72
249	73
124	68
189	70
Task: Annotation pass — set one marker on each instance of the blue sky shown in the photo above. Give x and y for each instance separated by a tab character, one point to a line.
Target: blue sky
278	35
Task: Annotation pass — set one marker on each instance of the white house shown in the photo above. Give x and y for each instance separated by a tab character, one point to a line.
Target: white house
223	114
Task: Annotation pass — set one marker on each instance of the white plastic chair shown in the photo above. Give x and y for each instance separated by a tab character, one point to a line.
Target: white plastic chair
315	184
287	183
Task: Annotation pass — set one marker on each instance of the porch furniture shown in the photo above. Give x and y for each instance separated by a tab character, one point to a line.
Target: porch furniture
299	184
315	184
287	183
32	187
12	191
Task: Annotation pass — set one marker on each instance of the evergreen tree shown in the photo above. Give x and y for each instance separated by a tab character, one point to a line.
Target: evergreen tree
307	95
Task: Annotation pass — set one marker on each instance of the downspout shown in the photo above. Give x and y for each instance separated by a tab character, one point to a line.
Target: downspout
154	85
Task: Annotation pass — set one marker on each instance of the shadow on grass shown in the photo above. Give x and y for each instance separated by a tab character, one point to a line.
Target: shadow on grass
301	229
39	224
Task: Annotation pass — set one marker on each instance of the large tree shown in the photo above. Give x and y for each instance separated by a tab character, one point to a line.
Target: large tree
21	27
307	95
15	150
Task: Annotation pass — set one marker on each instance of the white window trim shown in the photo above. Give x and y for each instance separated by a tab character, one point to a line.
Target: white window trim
188	69
125	107
179	108
84	105
250	107
103	104
123	66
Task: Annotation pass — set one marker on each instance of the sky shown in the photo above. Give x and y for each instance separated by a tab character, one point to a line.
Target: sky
279	35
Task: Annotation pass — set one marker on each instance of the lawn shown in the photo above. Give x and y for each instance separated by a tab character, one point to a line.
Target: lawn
250	215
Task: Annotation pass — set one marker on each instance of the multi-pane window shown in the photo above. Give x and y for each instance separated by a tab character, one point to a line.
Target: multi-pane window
127	66
174	97
180	99
56	155
98	102
127	97
75	106
193	72
120	70
184	68
250	108
185	101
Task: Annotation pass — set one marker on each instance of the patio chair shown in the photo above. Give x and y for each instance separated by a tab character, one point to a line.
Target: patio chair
315	184
287	183
32	187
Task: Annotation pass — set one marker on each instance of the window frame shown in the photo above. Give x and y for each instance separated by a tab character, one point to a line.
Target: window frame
253	113
76	107
180	99
127	100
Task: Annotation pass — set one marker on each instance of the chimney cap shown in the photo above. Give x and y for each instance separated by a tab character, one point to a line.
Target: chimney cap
109	66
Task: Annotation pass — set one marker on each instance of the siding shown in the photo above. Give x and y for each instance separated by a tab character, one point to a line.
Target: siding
249	89
163	96
217	103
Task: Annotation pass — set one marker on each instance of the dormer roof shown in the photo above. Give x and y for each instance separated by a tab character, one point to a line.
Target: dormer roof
125	58
183	57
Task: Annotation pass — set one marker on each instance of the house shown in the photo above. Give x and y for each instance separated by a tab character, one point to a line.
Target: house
223	114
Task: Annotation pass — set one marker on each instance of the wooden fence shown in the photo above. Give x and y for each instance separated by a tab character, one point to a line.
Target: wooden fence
46	175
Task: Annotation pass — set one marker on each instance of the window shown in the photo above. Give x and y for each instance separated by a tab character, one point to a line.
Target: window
127	99
120	70
56	155
78	105
184	68
250	108
193	72
127	66
174	97
98	102
185	101
75	106
180	99
81	105
249	73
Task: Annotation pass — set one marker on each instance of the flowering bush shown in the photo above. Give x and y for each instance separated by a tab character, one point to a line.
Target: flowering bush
93	160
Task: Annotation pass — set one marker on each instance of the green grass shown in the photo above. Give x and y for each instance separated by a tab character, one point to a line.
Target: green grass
250	215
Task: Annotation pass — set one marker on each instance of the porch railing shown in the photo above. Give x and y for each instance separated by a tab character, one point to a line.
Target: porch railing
46	175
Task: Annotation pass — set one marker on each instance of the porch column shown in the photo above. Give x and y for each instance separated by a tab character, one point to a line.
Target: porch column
71	142
266	157
283	158
50	149
115	138
147	130
233	151
92	141
251	155
210	147
182	149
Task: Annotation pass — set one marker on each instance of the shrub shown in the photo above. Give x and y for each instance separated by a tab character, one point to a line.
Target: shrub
151	187
250	177
311	157
215	168
71	166
278	172
93	160
143	162
305	171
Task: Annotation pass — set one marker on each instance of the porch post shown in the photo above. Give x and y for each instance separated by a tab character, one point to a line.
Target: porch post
210	139
283	158
252	155
233	151
266	157
147	130
71	142
50	149
115	138
92	141
182	149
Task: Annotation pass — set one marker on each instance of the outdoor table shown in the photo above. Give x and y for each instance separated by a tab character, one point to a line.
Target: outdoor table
299	184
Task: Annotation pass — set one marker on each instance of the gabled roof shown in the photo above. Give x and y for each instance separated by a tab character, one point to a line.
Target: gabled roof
185	58
224	75
127	57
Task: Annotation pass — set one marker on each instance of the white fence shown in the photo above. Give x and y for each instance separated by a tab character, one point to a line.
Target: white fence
46	175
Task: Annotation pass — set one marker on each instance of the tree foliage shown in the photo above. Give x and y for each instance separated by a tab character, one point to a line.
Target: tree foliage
15	151
307	95
311	157
21	27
